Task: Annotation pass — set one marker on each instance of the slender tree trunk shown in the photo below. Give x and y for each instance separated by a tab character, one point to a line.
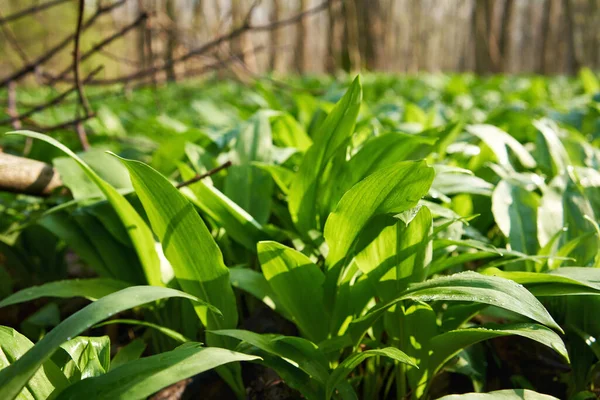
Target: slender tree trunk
243	44
335	37
302	40
352	35
375	44
276	61
574	64
506	38
545	33
171	40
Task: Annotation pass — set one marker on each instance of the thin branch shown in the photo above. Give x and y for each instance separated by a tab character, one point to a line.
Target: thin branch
31	10
10	37
77	76
64	125
31	67
142	17
41	107
204	175
246	27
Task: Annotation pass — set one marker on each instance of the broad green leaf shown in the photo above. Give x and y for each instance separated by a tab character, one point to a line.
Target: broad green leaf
15	377
188	245
498	141
558	154
589	81
449	181
140	234
64	226
88	357
332	135
44	381
78	180
196	259
92	289
350	363
508	394
559	282
255	283
162	329
377	153
247	185
131	351
240	225
390	190
445	346
283	177
139	379
304	353
465	286
298	284
515	212
287	132
399	255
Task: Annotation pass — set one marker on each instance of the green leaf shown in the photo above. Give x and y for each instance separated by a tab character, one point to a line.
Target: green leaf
298	284
44	381
589	81
188	245
515	212
304	353
140	234
91	289
399	255
247	185
256	284
508	394
464	286
559	282
131	351
240	225
332	135
162	329
445	346
195	257
390	190
498	141
139	379
89	356
348	365
15	377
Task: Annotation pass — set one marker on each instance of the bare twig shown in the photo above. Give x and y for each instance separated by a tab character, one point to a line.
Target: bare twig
204	175
64	125
76	73
100	45
12	105
31	67
12	40
41	107
31	10
246	27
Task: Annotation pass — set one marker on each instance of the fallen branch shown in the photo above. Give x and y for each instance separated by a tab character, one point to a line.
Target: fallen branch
204	175
23	175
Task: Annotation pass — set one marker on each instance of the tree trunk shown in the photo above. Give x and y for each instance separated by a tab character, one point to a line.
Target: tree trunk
352	35
171	40
302	40
277	61
335	37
